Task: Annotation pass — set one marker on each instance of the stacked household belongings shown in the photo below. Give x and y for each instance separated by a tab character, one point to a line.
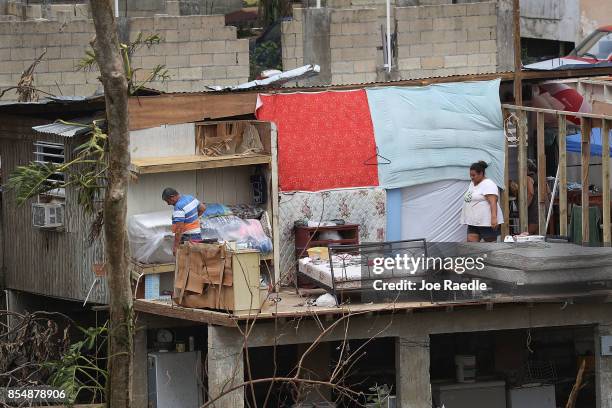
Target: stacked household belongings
216	277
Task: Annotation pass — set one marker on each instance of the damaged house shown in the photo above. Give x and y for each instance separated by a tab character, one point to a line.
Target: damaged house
309	189
332	269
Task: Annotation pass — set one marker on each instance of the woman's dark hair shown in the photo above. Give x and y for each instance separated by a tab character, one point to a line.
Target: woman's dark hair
479	167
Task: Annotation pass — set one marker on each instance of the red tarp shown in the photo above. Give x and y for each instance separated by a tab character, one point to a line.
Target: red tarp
323	139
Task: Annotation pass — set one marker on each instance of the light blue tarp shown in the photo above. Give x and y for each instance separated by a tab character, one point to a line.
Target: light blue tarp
574	142
435	132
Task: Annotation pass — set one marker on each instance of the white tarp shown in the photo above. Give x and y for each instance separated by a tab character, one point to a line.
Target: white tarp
432	211
151	238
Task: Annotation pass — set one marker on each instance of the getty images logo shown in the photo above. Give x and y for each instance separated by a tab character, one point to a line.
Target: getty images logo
412	265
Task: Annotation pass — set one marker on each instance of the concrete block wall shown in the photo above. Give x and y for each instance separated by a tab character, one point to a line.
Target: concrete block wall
30	10
449	39
354	38
197	51
434	38
292	40
353	41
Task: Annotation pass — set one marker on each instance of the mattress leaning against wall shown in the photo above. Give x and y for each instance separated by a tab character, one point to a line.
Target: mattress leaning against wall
363	206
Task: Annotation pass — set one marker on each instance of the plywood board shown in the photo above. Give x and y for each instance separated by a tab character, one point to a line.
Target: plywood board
150	111
166	140
144	192
230	185
194	162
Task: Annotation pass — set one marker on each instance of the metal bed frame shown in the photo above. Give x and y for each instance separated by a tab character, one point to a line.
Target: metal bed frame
367	251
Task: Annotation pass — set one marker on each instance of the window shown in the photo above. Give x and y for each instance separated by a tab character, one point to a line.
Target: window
48	152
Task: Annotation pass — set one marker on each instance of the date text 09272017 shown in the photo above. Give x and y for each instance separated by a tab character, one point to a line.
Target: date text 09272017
36	394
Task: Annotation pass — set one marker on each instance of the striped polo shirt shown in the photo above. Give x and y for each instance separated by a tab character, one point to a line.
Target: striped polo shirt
186	211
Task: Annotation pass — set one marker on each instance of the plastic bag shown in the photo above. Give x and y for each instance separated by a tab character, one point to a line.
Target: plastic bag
216	210
151	238
246	233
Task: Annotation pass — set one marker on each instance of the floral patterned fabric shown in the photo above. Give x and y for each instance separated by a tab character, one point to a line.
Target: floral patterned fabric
364	206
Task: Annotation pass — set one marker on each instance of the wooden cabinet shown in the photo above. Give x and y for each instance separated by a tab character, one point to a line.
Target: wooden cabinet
308	237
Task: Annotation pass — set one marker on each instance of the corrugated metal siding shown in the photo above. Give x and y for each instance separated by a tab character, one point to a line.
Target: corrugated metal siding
50	263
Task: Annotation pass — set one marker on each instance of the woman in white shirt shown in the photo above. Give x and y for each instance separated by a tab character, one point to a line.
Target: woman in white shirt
481	211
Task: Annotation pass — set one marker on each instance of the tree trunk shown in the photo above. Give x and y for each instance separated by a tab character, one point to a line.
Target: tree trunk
108	57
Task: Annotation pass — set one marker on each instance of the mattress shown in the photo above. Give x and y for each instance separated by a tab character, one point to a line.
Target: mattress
347	271
541	262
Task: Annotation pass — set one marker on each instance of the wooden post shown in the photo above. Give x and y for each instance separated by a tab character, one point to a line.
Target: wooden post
605	180
542	208
518	65
505	228
562	175
522	169
585	154
275	210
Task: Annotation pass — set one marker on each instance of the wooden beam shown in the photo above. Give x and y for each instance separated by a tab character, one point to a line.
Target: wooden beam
555	112
505	228
585	154
184	313
522	169
562	175
195	162
518	66
275	205
541	174
605	180
152	111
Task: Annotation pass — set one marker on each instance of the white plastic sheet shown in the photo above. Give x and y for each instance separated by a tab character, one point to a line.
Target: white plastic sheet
432	211
151	237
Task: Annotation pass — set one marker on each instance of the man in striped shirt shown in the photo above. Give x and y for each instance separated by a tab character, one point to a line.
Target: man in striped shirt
185	217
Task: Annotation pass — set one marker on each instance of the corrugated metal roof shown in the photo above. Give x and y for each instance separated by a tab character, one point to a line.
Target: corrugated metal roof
73	128
54	99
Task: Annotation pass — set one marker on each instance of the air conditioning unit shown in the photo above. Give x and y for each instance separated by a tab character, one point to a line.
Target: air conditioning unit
47	215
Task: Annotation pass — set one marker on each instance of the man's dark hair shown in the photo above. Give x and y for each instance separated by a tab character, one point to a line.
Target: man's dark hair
168	192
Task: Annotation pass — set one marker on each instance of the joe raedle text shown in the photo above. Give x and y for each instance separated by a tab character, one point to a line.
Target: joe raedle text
447	284
410	266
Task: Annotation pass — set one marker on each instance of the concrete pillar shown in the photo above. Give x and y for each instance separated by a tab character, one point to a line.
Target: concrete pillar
603	369
225	366
505	36
316	41
316	367
412	383
140	392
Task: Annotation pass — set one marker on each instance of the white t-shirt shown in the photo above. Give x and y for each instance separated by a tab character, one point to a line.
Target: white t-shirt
476	208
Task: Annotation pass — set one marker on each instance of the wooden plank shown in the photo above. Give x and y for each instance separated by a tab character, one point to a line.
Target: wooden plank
150	269
605	180
556	112
170	310
186	163
522	169
505	228
562	139
518	66
150	111
585	154
541	174
275	198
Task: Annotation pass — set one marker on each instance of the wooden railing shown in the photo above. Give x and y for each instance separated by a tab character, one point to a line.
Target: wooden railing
588	121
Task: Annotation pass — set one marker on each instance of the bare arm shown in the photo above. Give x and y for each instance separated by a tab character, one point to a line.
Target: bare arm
492	199
530	190
179	227
201	209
